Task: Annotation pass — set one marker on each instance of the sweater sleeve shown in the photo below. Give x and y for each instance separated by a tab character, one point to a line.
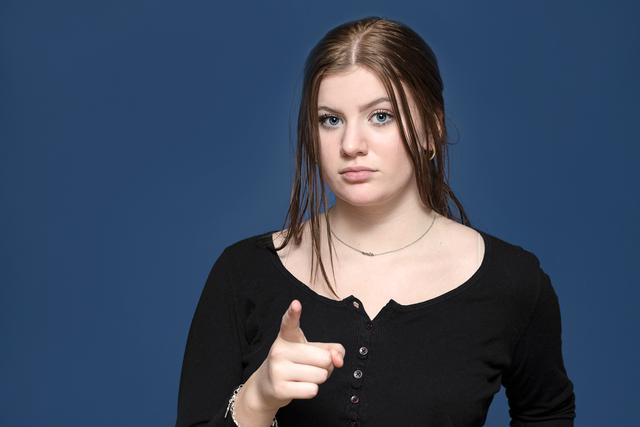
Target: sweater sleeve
539	392
211	367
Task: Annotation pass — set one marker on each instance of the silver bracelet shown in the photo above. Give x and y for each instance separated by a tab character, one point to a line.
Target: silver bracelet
232	404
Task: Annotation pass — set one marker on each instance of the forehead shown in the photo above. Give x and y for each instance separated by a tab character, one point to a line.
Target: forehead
353	87
355	84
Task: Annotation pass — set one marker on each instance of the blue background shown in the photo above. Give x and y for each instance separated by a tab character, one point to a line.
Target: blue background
139	138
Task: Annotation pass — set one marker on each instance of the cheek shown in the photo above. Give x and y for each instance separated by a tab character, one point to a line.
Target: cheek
392	152
401	165
329	159
325	143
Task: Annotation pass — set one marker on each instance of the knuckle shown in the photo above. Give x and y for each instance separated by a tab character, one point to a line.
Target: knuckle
274	370
276	352
313	390
278	391
327	360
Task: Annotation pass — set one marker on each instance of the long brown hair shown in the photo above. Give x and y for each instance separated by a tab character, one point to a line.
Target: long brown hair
395	53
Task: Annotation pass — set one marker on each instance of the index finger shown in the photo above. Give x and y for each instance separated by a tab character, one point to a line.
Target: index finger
290	325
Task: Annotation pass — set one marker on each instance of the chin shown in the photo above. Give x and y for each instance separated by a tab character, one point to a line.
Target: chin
365	198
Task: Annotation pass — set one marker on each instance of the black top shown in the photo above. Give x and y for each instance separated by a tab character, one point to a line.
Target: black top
433	363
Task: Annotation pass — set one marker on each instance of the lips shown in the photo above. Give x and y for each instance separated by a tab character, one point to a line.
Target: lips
357	176
356	169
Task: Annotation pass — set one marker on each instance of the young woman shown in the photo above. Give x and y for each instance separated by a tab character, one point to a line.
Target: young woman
424	317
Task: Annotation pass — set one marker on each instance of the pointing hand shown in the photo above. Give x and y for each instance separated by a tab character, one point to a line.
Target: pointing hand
295	367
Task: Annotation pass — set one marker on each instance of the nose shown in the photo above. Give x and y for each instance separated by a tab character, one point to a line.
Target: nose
354	141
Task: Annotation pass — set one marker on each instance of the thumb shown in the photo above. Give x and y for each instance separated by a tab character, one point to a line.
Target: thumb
290	325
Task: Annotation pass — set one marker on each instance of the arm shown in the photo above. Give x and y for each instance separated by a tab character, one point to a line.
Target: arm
211	368
539	392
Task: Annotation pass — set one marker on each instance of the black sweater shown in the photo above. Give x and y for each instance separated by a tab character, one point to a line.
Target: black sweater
434	363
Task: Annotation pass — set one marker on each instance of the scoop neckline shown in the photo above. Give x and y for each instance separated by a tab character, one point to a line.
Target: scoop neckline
478	273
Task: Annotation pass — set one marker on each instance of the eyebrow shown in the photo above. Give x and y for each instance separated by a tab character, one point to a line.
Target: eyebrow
362	108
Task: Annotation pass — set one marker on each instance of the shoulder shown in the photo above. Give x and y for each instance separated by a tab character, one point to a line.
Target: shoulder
518	276
505	257
249	245
511	261
247	257
248	250
513	271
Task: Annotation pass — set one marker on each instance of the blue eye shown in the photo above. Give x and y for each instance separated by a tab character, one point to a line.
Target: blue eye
383	113
324	117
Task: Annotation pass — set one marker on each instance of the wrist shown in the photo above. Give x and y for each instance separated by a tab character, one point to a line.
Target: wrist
244	417
253	400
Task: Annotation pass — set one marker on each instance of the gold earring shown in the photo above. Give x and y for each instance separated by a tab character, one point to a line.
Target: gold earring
433	155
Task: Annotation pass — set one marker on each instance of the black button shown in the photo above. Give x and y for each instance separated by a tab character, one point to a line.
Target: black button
354	424
357	373
355	399
369	324
363	351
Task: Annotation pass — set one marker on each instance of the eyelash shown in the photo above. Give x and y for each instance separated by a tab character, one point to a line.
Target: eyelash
325	116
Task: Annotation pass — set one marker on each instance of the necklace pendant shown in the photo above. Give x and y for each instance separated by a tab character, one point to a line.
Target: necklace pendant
368	253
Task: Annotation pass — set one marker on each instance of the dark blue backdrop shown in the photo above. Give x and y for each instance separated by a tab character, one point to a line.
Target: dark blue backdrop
139	138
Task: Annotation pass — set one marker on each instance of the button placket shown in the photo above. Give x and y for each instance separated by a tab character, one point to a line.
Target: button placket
359	368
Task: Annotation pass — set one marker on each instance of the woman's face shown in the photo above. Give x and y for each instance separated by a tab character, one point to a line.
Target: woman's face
357	128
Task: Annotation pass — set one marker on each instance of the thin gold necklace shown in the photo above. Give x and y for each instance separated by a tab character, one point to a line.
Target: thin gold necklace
387	252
